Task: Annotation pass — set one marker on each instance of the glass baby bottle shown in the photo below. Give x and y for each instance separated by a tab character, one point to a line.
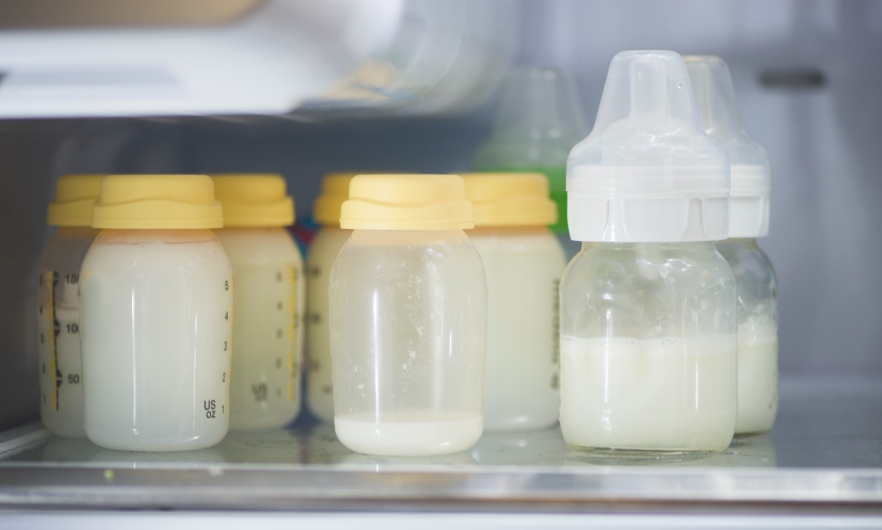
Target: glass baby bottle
58	305
748	220
648	314
538	120
322	252
156	323
408	318
268	302
523	262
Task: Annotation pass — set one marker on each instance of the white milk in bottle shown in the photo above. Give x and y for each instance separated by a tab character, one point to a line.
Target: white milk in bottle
408	318
648	314
523	262
322	252
268	302
58	305
748	220
157	293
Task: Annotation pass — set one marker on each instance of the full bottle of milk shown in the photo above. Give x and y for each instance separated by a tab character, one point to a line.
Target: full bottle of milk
648	313
268	301
408	318
524	263
322	252
748	220
58	305
156	323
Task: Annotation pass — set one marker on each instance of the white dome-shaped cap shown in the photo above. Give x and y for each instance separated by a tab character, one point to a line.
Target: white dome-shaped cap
648	172
749	162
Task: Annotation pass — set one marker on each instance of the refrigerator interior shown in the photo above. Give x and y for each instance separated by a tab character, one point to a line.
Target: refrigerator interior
806	74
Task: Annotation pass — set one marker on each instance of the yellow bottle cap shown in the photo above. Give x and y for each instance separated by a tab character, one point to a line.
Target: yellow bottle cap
74	196
407	202
254	200
157	201
510	199
335	191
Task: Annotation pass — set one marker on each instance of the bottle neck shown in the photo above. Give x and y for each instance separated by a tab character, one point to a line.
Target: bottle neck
630	247
746	243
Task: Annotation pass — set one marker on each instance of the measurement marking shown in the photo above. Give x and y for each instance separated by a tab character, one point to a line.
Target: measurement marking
54	371
292	315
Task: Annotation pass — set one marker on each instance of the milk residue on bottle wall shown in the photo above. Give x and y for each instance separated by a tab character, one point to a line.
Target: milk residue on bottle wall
408	318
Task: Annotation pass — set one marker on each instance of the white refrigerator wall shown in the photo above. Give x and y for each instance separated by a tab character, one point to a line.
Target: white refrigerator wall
807	75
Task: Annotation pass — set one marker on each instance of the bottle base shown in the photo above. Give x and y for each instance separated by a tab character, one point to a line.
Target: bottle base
615	456
409	434
515	426
751	434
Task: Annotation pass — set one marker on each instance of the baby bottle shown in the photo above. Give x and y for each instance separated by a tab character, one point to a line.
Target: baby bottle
538	121
748	220
268	301
58	312
408	318
156	323
322	252
648	315
523	262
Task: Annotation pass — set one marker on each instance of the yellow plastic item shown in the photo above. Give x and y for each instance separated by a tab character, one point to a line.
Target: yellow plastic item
510	199
407	202
335	191
158	202
74	196
254	200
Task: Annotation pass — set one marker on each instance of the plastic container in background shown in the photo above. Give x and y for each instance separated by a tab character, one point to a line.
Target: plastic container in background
58	304
748	220
268	302
538	121
157	298
648	313
408	318
322	252
523	263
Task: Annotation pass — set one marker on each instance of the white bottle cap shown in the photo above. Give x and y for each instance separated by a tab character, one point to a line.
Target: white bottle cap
648	172
718	110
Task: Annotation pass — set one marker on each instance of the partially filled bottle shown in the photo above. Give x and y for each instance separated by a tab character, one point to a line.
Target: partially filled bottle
408	318
523	262
538	121
748	220
268	302
157	309
58	304
322	252
648	314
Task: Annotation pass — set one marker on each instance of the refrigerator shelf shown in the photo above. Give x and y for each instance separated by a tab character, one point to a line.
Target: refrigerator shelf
824	455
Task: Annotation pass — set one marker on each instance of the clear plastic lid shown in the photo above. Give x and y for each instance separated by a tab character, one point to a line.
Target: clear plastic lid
750	173
648	172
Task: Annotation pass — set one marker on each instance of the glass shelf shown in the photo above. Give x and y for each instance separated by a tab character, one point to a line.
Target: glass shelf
825	453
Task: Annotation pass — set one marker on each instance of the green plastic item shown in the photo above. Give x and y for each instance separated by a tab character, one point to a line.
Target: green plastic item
538	121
